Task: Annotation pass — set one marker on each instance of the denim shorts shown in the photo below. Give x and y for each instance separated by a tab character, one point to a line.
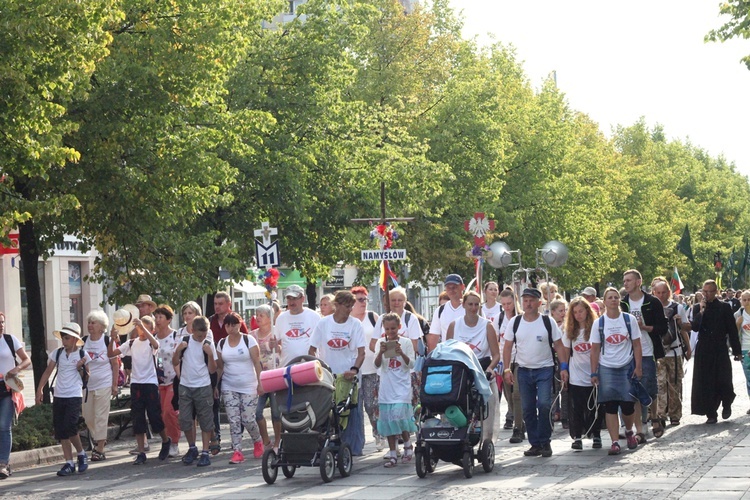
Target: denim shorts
648	377
614	383
275	413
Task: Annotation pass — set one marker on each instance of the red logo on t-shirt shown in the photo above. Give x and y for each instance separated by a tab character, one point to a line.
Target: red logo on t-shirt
394	363
582	347
746	326
617	338
338	343
473	347
296	332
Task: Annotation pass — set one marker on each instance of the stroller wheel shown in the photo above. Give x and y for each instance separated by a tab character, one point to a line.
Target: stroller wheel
344	460
420	462
289	470
430	462
327	465
487	455
269	467
468	464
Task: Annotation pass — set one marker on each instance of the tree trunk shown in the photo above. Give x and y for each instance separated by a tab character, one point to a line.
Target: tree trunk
30	258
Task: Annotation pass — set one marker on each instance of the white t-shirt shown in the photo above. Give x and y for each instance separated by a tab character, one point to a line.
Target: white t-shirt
194	372
493	315
294	331
368	366
744	331
473	336
7	358
167	346
395	378
144	370
440	322
239	370
338	343
68	382
618	348
674	349
100	368
580	359
647	346
532	342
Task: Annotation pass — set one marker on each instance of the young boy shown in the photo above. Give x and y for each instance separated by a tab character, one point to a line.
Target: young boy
144	388
67	399
197	356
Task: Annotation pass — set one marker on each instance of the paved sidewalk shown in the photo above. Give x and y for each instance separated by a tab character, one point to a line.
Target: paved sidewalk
692	460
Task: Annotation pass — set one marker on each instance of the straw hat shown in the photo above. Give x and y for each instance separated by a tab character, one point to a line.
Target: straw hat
72	329
145	299
14	382
124	319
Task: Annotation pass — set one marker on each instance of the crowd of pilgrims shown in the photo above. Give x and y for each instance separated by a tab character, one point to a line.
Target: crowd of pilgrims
612	362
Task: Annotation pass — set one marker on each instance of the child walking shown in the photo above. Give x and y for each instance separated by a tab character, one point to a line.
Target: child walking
67	399
396	412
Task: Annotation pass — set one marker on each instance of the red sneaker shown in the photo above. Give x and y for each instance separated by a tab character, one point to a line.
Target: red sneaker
258	449
237	457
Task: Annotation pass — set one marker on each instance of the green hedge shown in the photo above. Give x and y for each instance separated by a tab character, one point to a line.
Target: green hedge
34	429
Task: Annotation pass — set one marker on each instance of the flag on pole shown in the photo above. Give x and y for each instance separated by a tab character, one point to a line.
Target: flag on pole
385	273
684	245
676	281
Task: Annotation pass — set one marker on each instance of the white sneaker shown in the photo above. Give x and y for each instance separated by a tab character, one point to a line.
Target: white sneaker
174	450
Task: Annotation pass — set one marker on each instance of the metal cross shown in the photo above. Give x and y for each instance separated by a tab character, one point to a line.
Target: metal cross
382	220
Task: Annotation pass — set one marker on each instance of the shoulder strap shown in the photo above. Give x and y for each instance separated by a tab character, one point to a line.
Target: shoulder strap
131	342
371	315
440	310
407	317
247	341
57	365
502	318
9	341
548	326
221	343
57	355
516	324
85	338
601	332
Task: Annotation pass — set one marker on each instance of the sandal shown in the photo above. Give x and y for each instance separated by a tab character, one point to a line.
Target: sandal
641	438
215	447
392	462
98	456
408	454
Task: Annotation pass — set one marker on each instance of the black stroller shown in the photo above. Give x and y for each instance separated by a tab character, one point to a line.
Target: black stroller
311	424
446	384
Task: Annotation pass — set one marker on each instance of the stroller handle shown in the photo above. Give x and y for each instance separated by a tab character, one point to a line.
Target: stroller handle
306	357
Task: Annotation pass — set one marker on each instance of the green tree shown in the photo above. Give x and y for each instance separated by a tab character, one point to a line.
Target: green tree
738	25
48	50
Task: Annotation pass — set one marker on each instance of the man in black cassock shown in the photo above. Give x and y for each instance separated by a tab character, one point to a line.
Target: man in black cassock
712	375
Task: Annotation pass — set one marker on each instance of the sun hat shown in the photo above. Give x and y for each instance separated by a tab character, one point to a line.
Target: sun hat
72	329
123	320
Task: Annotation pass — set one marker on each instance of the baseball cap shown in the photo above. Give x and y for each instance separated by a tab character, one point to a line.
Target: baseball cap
589	290
531	292
454	279
294	291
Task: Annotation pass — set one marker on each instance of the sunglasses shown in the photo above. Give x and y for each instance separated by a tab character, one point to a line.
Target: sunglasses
362	299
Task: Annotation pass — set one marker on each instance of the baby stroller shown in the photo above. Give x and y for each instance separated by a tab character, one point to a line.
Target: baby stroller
454	397
311	424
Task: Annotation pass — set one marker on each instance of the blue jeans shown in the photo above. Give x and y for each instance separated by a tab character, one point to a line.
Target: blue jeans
745	368
354	434
535	385
6	438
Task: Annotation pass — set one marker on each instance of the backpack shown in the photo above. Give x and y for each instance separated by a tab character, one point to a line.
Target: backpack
84	373
626	316
371	315
547	324
671	334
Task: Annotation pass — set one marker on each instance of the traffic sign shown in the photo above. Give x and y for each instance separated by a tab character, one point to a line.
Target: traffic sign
389	254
